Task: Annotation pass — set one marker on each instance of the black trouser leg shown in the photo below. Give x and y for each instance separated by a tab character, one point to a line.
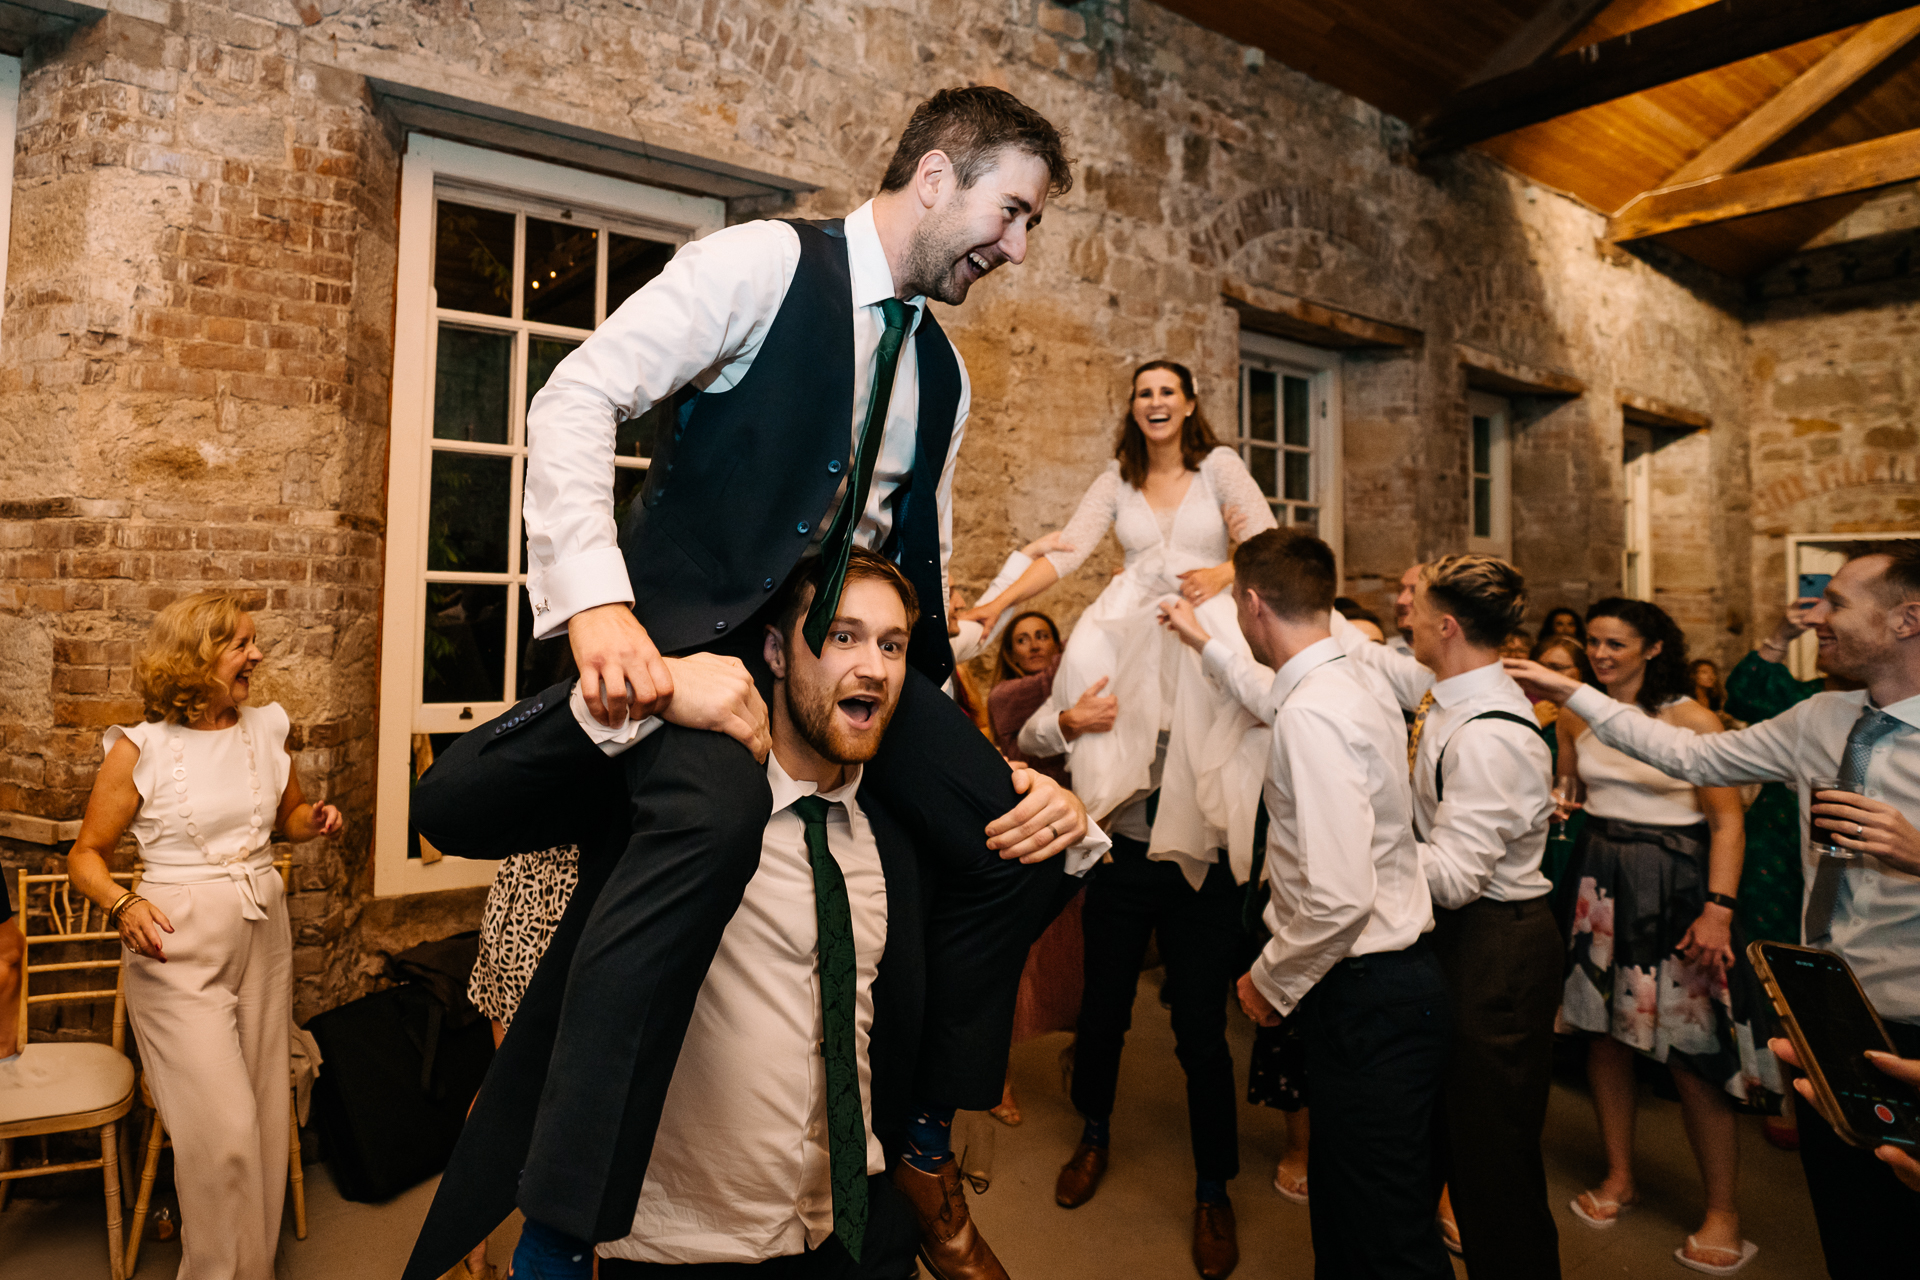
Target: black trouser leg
1377	1032
1202	945
1502	965
937	773
1869	1221
700	806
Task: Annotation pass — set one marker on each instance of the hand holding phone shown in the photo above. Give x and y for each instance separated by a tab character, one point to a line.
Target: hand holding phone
1835	1036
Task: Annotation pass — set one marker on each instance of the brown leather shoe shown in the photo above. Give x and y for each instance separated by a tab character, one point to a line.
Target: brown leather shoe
1216	1248
950	1245
1080	1176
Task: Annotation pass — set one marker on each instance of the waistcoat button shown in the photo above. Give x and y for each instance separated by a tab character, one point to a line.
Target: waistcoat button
833	468
719	626
802	527
767	585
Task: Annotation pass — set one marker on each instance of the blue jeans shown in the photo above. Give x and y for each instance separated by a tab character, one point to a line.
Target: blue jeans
546	1254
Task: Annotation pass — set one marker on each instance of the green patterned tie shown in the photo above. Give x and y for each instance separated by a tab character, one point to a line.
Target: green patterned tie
839	972
838	542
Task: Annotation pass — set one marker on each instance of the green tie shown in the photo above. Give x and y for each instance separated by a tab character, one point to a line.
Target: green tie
838	542
846	1127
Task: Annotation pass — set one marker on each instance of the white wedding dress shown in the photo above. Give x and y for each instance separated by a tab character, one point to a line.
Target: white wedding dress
1216	747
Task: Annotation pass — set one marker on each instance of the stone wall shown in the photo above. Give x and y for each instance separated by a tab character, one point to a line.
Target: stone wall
198	327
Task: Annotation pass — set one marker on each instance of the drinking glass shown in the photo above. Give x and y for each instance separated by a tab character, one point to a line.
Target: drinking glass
1818	836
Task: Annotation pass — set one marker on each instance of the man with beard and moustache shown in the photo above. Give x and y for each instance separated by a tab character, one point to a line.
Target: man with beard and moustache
822	411
790	1084
1864	908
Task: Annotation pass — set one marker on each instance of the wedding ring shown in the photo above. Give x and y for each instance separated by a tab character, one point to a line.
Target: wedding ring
1052	835
1858	831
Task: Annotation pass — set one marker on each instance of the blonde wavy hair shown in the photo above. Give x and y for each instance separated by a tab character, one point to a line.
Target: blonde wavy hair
173	672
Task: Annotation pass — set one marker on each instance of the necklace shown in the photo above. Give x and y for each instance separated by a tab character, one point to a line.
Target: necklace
252	839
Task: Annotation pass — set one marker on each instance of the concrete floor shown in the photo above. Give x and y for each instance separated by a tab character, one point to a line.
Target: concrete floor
1139	1224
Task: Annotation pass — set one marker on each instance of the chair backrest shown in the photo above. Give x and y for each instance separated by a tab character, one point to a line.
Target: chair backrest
69	926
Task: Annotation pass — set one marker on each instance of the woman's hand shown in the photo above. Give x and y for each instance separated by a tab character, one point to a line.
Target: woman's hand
1047	543
327	820
1869	826
141	925
985	614
1092	713
1709	940
1774	647
1197	586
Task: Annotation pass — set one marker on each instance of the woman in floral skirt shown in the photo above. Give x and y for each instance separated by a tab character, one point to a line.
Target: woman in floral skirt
1652	942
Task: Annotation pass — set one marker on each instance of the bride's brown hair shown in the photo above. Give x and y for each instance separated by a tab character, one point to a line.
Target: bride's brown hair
1196	437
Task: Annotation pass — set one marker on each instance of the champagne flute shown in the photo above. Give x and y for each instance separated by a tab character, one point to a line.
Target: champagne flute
1569	796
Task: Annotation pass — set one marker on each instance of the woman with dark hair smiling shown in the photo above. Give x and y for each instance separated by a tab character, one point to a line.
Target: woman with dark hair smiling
1130	707
1652	941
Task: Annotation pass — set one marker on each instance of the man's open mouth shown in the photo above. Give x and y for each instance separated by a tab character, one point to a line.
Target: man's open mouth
978	262
861	710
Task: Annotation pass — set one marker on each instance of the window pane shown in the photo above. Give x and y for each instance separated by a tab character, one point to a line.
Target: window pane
543	354
631	262
1299	477
1299	420
1309	516
1262	464
1262	404
473	259
1482	507
470	378
562	260
636	435
467	520
466	643
1482	445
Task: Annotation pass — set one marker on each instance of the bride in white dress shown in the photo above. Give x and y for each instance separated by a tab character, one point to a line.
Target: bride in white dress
1169	496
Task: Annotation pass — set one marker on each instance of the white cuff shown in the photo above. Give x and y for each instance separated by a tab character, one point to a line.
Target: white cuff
1263	981
967	641
1041	736
1593	706
1083	857
574	585
612	741
1216	662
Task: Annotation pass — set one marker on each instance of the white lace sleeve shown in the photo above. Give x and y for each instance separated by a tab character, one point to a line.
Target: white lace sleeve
1237	490
1091	522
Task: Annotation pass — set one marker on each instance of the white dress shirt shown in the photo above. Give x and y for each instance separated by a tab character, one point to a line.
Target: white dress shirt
740	1169
1341	858
1876	915
701	322
1487	837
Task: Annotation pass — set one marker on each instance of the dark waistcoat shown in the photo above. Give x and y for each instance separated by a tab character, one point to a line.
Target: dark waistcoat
732	499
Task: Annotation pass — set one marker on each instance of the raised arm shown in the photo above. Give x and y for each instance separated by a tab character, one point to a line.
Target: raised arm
1082	534
1406	677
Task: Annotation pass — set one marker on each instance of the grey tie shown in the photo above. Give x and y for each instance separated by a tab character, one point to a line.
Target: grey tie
1873	725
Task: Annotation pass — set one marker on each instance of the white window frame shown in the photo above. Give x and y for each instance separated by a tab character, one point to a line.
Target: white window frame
1498	411
430	165
1321	367
9	122
1636	553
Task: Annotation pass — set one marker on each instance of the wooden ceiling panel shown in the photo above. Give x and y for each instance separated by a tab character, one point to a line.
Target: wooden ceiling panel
1746	245
1885	100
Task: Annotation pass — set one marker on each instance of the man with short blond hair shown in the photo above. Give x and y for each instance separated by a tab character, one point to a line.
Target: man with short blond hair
1482	800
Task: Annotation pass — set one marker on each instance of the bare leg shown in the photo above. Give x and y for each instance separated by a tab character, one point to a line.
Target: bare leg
1008	1112
1610	1076
1712	1132
1292	1170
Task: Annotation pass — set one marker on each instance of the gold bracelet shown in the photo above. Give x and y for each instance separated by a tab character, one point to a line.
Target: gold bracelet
124	901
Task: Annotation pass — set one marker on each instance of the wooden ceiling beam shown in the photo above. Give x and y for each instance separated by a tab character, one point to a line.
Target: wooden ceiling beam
1542	36
1860	167
1699	40
1820	84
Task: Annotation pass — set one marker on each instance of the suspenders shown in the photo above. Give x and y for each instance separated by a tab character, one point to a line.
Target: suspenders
1439	782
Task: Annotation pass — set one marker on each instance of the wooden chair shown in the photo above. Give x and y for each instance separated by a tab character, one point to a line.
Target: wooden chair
157	1138
74	1085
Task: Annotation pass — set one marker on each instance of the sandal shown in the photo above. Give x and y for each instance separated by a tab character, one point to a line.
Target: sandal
1599	1204
1007	1113
1449	1235
1746	1251
1291	1189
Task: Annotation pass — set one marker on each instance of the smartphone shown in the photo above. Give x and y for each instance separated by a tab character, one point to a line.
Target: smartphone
1814	585
1832	1024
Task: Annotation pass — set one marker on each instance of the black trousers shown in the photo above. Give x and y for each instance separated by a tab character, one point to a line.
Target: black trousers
600	1029
1502	962
888	1253
1202	943
1869	1221
1377	1032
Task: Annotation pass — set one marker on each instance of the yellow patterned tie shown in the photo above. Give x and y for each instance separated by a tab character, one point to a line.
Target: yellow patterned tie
1419	723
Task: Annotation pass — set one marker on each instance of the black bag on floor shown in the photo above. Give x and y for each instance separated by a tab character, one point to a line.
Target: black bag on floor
401	1070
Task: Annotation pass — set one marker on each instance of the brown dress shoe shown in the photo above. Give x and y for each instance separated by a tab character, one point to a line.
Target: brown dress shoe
1080	1176
1216	1250
950	1245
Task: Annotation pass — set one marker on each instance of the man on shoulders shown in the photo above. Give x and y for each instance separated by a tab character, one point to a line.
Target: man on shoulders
1865	908
1482	800
1348	910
